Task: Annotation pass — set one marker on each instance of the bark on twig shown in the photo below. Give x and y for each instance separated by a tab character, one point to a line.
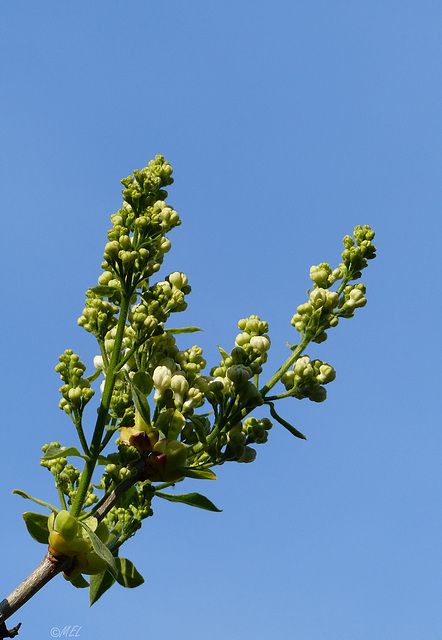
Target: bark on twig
52	566
47	569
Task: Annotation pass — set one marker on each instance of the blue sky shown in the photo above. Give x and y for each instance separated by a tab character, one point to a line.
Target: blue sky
287	124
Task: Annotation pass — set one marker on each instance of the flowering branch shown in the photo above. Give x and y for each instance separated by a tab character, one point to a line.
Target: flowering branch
167	418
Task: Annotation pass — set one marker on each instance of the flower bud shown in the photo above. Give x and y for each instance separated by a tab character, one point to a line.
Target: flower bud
66	525
239	374
261	343
178	280
179	386
249	455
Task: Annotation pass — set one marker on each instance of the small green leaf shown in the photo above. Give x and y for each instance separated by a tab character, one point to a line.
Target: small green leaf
198	474
183	330
103	290
25	495
284	423
192	499
37	526
101	550
80	582
223	353
143	381
99	584
128	576
140	401
55	452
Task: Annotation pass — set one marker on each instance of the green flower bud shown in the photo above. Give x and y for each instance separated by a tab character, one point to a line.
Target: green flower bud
261	343
59	546
249	455
66	525
111	251
239	374
326	373
318	298
178	280
242	339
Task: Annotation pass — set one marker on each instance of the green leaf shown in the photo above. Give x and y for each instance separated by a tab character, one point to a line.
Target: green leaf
25	495
223	353
192	499
183	330
101	550
103	290
284	423
99	584
140	401
143	381
80	582
37	526
128	576
55	452
198	474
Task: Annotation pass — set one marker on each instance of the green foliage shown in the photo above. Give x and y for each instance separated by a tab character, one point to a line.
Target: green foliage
162	418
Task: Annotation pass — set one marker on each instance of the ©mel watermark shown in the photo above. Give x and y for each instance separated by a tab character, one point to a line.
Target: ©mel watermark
68	631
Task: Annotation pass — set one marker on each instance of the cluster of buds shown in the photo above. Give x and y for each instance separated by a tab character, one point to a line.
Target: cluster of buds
68	538
76	390
137	241
243	434
99	316
55	465
324	307
257	430
124	522
172	382
157	303
306	378
233	374
66	475
318	314
357	251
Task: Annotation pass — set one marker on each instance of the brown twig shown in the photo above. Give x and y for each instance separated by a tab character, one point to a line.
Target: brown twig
52	566
47	569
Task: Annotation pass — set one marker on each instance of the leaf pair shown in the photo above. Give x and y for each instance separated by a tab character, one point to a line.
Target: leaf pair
126	575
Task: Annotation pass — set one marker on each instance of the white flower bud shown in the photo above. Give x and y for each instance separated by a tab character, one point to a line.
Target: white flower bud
357	299
98	362
161	379
261	343
318	298
179	386
178	280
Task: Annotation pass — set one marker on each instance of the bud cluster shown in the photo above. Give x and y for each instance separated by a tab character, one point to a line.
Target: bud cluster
99	316
76	390
124	522
324	307
234	373
55	465
137	240
306	378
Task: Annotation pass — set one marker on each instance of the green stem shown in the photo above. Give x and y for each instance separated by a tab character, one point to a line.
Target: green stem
60	494
89	467
81	436
285	367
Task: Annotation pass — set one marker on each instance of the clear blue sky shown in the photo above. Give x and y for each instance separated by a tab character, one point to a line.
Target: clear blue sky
287	124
